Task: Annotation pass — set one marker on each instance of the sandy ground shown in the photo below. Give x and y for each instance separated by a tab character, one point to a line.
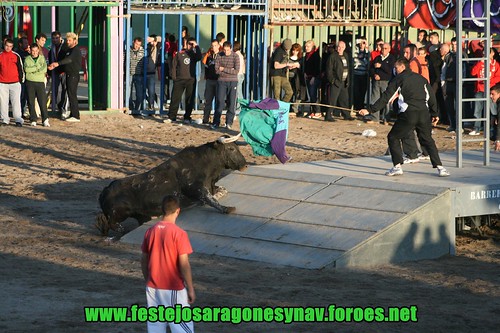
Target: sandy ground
53	262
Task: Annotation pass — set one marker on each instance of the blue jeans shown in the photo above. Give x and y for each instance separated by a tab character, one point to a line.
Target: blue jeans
312	86
210	95
478	110
226	90
151	92
135	104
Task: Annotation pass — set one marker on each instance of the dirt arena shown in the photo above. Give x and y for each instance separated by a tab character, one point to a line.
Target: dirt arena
53	262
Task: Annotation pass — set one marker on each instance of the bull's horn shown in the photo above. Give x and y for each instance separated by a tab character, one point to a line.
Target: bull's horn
230	139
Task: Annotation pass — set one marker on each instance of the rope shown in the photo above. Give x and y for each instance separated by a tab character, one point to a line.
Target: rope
325	105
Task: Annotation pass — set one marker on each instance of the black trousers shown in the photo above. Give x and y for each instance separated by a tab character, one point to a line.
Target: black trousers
71	88
410	147
36	90
210	96
407	122
339	96
59	80
360	83
181	86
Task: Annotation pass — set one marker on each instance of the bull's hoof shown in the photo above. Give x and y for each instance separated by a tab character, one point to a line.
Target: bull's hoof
119	228
220	192
229	210
111	240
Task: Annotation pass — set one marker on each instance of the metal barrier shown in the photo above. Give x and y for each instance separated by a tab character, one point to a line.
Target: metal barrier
282	12
200	4
366	12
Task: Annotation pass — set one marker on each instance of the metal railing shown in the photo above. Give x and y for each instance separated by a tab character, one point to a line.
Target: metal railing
366	12
339	11
201	4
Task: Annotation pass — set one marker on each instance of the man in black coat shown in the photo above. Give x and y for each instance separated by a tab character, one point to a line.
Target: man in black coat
338	69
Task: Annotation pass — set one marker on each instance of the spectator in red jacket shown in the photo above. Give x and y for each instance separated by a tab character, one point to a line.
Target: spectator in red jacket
478	71
11	77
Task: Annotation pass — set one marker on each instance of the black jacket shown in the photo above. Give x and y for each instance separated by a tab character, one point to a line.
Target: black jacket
335	68
184	64
281	56
72	61
210	73
312	64
435	63
450	74
385	72
415	94
58	54
151	63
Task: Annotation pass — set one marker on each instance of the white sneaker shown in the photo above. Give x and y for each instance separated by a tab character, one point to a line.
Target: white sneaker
33	123
424	157
442	172
46	123
73	120
407	160
394	171
474	132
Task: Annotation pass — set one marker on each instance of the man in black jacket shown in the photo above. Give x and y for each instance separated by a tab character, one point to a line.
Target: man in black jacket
211	78
415	101
183	73
338	69
72	63
449	76
153	61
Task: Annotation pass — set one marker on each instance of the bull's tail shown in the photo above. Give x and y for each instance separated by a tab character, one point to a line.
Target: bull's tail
102	223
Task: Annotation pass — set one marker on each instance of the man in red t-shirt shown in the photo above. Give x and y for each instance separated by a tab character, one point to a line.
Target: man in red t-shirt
165	266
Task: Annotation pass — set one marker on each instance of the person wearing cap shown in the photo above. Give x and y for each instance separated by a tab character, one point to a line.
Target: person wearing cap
280	66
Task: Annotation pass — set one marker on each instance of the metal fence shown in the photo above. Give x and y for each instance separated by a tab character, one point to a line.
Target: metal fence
335	11
327	12
201	4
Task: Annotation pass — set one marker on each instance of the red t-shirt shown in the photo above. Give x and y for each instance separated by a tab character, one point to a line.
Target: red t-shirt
164	242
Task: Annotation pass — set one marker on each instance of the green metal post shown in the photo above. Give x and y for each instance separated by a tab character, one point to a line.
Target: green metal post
89	69
34	13
16	24
72	18
108	49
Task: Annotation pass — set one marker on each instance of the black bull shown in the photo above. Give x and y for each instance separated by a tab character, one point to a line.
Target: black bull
191	173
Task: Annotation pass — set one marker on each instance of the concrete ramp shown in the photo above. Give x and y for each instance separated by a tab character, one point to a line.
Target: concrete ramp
315	219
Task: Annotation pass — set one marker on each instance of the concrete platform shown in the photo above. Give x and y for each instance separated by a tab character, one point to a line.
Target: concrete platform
342	213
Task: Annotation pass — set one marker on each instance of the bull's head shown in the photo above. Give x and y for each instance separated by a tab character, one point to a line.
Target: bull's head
233	159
